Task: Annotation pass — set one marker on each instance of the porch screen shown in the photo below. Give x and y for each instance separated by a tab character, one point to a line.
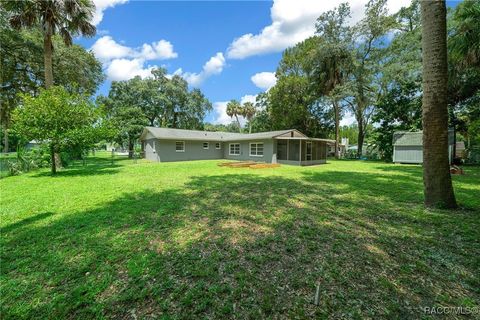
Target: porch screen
294	150
282	149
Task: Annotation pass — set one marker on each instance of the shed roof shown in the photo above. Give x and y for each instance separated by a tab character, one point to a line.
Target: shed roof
174	134
406	138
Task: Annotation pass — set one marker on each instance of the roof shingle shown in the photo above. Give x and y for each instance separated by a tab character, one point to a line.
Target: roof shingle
406	138
173	134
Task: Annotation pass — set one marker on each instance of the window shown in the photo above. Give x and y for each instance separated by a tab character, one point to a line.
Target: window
234	149
205	145
180	146
218	145
256	149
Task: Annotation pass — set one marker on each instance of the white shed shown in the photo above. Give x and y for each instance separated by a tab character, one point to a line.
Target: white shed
408	146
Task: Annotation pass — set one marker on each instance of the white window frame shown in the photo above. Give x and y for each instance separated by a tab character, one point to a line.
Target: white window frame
256	149
183	143
208	145
230	149
218	145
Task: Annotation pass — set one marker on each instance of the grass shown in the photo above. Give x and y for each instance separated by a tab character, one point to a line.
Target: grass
193	240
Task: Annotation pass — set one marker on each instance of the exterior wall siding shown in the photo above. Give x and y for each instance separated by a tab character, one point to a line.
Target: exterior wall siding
165	151
149	149
408	154
413	154
269	155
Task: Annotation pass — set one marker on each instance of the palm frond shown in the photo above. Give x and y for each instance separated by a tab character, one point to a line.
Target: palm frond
66	36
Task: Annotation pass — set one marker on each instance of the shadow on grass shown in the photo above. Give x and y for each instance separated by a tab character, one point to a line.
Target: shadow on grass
466	199
25	222
80	172
93	166
246	246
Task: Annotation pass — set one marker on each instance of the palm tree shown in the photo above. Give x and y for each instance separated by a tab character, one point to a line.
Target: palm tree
234	109
330	74
248	111
332	59
437	181
64	17
464	43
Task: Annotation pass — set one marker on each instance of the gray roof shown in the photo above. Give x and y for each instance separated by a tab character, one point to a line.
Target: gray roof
406	138
174	134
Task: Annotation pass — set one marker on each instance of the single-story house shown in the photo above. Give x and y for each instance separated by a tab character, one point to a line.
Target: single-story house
408	146
284	146
342	147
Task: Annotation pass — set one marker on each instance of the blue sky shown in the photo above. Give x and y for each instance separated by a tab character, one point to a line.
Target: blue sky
228	49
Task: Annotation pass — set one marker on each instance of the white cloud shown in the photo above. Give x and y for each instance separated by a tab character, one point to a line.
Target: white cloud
348	119
162	49
124	69
248	98
264	80
106	49
292	22
213	66
102	5
220	111
123	63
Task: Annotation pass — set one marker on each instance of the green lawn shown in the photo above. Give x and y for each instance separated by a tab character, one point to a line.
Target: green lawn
193	240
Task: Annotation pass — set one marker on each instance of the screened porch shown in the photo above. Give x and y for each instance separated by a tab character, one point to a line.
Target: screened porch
300	151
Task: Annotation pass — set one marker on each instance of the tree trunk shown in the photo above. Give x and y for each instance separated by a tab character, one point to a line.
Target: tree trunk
174	122
47	47
336	108
5	139
238	123
130	148
48	64
453	124
58	160
52	158
437	181
361	136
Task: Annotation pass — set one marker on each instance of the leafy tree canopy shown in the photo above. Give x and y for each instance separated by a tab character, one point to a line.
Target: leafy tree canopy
60	119
156	101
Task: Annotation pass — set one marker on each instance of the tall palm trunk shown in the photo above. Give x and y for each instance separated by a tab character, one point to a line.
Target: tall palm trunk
48	65
437	182
238	123
47	47
336	108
